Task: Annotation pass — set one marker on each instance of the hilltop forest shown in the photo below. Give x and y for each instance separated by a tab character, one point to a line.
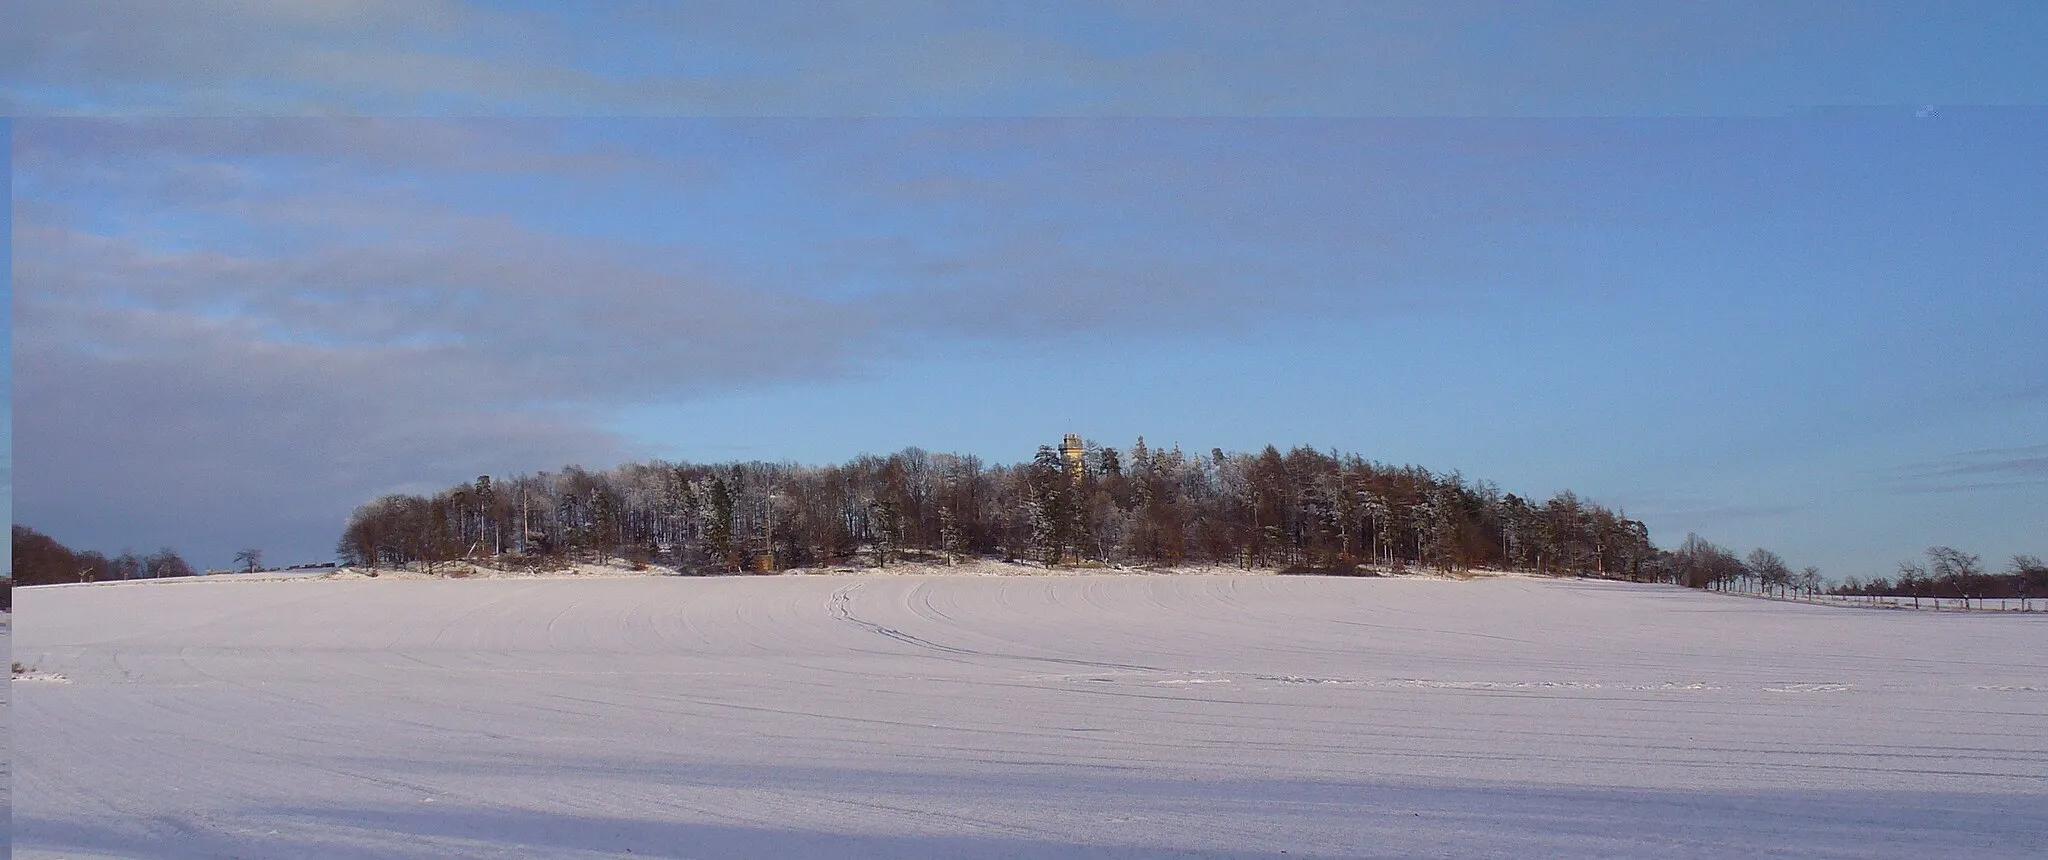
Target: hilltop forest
1082	504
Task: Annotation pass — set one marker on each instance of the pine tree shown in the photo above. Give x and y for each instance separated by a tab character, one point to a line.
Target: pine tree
718	523
888	522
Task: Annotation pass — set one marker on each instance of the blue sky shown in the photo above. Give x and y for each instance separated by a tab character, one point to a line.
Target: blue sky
928	58
1770	271
7	355
1818	334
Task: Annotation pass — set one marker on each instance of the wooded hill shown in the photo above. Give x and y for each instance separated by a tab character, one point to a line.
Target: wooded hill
40	560
1302	509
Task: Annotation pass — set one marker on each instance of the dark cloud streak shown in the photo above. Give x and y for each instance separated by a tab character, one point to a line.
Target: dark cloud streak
1974	471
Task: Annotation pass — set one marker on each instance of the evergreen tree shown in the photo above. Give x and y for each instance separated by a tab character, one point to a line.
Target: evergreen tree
718	523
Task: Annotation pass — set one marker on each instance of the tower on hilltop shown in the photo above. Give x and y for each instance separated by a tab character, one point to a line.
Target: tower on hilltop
1072	454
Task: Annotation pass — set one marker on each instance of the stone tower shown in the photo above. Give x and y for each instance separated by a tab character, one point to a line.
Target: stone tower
1071	453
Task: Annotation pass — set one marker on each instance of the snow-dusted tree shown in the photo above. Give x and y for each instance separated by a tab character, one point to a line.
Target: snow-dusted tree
718	523
1154	506
1052	508
888	523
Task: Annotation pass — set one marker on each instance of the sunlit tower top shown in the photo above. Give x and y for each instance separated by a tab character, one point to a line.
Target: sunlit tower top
1071	453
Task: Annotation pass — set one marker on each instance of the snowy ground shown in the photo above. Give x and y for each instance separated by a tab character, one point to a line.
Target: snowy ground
6	738
1936	604
1030	717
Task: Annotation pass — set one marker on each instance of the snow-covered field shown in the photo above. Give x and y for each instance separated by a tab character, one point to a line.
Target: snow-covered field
1028	717
1937	604
6	738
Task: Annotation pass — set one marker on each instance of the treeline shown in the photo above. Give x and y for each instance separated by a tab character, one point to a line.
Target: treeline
1081	504
40	560
1700	563
1952	573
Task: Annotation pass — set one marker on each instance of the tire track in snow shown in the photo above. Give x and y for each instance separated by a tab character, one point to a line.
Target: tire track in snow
842	610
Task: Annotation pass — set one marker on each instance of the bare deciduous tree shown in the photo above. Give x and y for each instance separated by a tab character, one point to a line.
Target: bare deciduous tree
1770	570
1955	571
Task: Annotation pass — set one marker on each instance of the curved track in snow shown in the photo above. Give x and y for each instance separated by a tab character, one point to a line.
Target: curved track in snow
1033	717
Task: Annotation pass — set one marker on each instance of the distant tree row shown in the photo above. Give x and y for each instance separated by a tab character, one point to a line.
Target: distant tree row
1954	574
40	560
1302	509
1699	563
